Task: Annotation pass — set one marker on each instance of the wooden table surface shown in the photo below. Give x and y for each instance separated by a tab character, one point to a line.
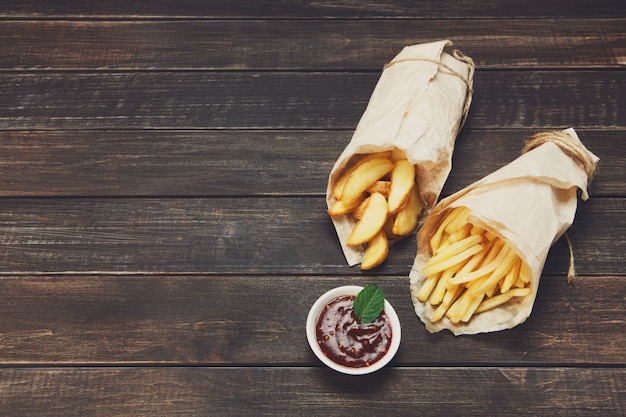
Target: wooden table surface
163	230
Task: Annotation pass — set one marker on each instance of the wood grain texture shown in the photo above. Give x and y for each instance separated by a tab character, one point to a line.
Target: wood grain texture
235	235
163	231
310	391
209	163
353	45
276	100
304	9
254	320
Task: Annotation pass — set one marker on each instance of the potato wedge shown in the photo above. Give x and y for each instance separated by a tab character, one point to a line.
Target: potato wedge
402	182
357	213
364	176
406	218
340	207
373	220
382	187
341	181
376	251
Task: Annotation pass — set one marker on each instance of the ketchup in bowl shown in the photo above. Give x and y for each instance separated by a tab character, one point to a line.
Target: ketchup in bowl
342	342
348	342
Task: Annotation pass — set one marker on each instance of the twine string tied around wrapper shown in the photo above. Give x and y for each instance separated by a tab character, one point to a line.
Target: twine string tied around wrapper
578	153
469	81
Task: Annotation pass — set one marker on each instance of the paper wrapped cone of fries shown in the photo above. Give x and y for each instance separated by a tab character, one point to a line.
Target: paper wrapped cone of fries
400	154
481	251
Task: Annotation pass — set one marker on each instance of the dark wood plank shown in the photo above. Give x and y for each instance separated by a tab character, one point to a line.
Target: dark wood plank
308	9
304	391
236	235
241	163
322	45
271	100
254	320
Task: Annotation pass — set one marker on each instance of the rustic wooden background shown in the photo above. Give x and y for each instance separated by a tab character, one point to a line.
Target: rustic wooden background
162	218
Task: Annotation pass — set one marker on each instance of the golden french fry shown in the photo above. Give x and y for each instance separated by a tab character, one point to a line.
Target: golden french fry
473	305
490	235
364	176
449	297
341	181
406	218
459	307
500	299
501	270
519	283
461	233
511	276
490	263
426	289
476	230
525	273
436	297
441	260
402	182
459	220
456	259
376	251
471	270
471	264
374	217
436	238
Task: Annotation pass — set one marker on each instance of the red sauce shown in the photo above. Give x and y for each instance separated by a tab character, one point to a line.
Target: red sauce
348	342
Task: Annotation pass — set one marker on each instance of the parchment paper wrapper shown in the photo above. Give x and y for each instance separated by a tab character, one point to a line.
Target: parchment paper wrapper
529	203
418	106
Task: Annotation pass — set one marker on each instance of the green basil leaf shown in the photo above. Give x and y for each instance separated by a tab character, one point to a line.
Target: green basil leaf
369	303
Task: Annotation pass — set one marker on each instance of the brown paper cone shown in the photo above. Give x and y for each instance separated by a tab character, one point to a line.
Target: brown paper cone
529	203
417	108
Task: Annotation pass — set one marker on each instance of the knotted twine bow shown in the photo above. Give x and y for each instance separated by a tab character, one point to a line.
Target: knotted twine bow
578	153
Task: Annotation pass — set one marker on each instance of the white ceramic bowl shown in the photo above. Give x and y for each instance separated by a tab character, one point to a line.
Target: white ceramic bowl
315	347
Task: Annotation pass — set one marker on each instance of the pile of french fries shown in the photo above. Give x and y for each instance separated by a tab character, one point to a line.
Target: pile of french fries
379	191
471	270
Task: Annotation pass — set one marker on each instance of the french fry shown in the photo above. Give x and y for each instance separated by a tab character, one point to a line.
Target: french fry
426	289
435	240
449	297
453	249
440	289
471	270
372	222
511	276
498	273
459	219
473	305
453	255
489	264
497	300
